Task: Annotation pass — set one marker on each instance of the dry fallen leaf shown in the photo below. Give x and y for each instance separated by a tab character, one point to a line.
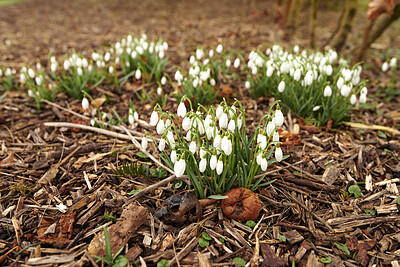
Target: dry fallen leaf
378	7
242	204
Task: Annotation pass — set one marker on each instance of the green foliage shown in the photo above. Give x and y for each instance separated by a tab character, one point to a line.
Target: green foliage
108	217
326	260
116	260
133	192
251	224
382	135
354	190
159	172
282	238
134	169
239	262
372	212
204	240
162	263
343	248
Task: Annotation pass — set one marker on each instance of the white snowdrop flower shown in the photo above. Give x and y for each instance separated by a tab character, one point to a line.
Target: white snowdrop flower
138	74
316	108
85	103
281	87
161	145
210	132
228	63
131	119
278	154
232	125
107	57
53	67
103	64
385	66
78	62
309	78
181	110
220	166
30	93
236	63
223	121
199	54
165	45
31	73
98	64
297	75
355	80
160	127
345	91
347	75
186	123
202	165
189	136
328	70
212	82
140	50
262	141
217	141
207	120
327	91
133	54
161	54
135	115
270	71
232	111
270	128
90	68
1	72
153	118
38	80
340	83
93	122
85	63
296	49
163	80
38	66
111	69
353	99
364	91
239	122
211	53
193	147
144	142
393	63
247	85
202	152
200	127
227	147
254	70
219	111
22	78
263	163
173	156
195	82
167	123
79	71
219	49
213	162
279	117
275	137
179	168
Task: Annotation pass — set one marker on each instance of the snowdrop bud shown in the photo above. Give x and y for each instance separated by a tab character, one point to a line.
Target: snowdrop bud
393	63
328	70
161	145
270	71
364	91
355	80
228	63
296	49
363	98
223	121
31	73
281	87
278	154
209	132
85	63
179	168
202	165
22	78
217	141
90	68
353	99
195	82
297	75
262	141
160	127
85	103
135	115
140	50
173	156
270	127
316	108
347	76
53	67
181	110
279	117
275	137
165	45
78	62
189	136
161	54
219	112
154	118
202	152
193	147
340	83
134	54
107	57
79	71
199	54
247	85
236	63
385	66
345	91
138	74
263	164
327	91
131	119
159	91
186	123
211	53
231	125
144	142
38	80
163	80
220	166
254	70
213	162
308	79
111	69
219	49
227	147
212	82
30	93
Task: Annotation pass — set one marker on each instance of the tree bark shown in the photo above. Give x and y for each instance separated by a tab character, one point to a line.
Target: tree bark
313	22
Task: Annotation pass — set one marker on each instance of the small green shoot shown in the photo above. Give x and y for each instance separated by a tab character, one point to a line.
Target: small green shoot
162	263
372	212
382	135
326	260
239	262
343	248
282	238
354	190
251	224
108	217
117	260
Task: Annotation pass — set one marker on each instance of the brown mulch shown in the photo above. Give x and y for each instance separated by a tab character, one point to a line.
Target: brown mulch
307	213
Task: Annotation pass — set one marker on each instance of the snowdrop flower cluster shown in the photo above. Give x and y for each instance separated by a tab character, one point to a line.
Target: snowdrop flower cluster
7	78
311	84
210	145
392	64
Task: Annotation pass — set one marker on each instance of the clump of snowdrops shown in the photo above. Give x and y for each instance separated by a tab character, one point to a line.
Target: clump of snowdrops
212	147
314	85
205	72
391	90
7	78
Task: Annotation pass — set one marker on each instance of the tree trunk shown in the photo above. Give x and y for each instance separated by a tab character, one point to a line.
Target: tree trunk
292	11
338	40
313	22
